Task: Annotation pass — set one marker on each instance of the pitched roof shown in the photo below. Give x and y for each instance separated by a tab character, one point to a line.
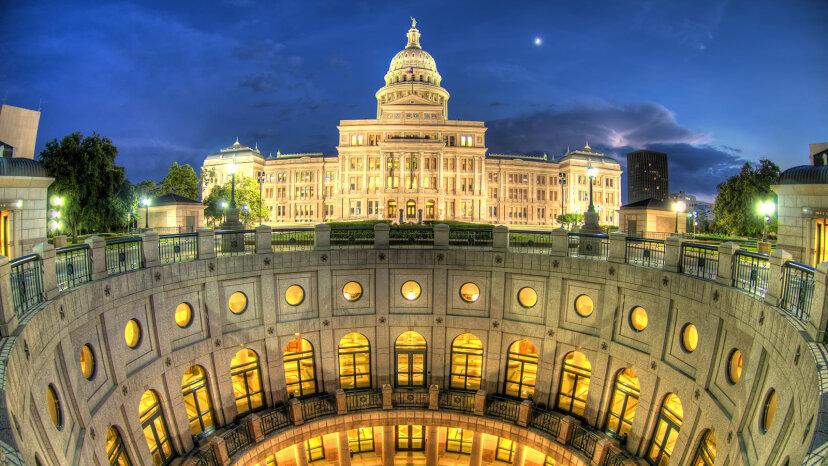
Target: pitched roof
173	198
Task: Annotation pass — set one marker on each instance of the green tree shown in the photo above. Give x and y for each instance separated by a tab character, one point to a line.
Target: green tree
146	188
214	213
739	196
247	194
94	190
182	179
570	219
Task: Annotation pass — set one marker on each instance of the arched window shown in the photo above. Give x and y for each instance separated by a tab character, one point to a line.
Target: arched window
575	375
197	400
624	401
300	370
247	381
115	450
521	369
666	431
392	208
706	452
430	209
411	209
410	351
466	362
354	362
155	428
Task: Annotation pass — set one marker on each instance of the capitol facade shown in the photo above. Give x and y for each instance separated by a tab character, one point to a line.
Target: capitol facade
412	163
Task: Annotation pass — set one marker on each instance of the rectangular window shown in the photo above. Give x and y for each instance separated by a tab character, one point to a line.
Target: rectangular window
361	440
465	141
459	441
356	207
315	449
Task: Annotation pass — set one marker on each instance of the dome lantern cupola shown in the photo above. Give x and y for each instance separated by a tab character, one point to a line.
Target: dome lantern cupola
413	36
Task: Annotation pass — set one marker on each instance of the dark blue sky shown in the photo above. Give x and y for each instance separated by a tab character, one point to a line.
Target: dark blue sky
713	83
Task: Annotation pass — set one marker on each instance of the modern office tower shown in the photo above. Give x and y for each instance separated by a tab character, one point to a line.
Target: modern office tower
647	176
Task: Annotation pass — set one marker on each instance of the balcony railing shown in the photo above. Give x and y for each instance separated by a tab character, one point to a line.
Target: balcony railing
236	438
455	400
584	440
699	260
292	239
797	290
207	457
502	407
26	283
73	266
352	237
358	400
235	242
588	246
318	406
274	419
472	238
415	237
530	241
177	248
750	272
414	398
124	255
545	420
645	252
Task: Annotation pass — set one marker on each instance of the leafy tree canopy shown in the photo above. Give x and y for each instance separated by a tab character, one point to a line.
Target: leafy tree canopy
247	194
182	180
736	206
570	219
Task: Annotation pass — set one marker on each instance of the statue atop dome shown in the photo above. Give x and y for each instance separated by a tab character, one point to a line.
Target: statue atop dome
413	22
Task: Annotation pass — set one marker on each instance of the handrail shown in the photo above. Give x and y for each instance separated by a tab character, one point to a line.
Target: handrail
26	281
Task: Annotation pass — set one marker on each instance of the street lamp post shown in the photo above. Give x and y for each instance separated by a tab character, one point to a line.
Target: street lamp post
562	182
591	172
766	209
232	170
261	179
146	202
678	206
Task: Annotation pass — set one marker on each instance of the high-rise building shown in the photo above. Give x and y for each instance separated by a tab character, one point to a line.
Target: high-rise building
647	176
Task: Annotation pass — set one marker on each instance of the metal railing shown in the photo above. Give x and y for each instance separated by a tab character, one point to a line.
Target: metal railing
503	407
415	398
455	400
73	266
645	252
700	260
611	458
531	241
207	457
415	237
750	272
235	242
236	438
588	246
318	406
545	420
177	248
584	440
471	238
174	230
274	419
26	280
292	239
124	255
352	237
797	290
358	400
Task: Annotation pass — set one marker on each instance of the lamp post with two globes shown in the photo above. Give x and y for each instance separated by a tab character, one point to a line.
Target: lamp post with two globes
146	203
767	209
678	206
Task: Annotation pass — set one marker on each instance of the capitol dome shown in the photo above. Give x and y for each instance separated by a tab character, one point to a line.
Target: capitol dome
413	63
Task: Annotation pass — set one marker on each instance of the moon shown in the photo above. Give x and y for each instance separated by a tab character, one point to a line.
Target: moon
538	41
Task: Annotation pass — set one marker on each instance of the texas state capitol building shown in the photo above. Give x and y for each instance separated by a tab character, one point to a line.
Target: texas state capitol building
413	161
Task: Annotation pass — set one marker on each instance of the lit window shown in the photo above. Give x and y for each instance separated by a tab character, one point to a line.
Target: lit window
469	292
410	351
584	305
247	381
87	362
638	318
132	333
294	295
53	404
183	315
459	440
237	302
527	297
521	369
505	450
155	428
352	291
576	372
354	362
666	431
466	362
624	402
768	411
410	290
197	400
300	369
410	438
361	440
706	452
689	338
734	366
315	449
115	450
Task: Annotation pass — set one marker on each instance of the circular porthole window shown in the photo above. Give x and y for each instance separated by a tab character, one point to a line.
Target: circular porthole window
638	318
55	411
584	305
410	290
294	295
183	315
132	333
527	297
734	366
352	291
689	338
469	292
87	362
237	302
768	410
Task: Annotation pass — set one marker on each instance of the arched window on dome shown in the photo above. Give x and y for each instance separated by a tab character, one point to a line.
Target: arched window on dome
575	375
155	428
197	400
247	381
706	451
666	431
115	450
466	362
521	370
300	368
428	79
410	352
624	402
354	362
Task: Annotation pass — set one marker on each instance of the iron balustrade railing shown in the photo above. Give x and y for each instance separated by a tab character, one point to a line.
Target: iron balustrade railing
174	230
274	419
645	252
177	248
611	458
123	255
797	290
236	438
503	407
352	237
292	239
235	242
588	246
73	266
455	400
700	260
414	237
545	420
415	398
584	440
26	280
318	406
358	400
531	241
207	457
471	238
750	272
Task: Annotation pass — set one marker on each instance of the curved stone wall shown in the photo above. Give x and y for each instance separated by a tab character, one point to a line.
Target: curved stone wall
775	348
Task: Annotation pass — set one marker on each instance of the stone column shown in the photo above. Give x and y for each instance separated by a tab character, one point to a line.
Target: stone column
386	397
220	449
59	241
819	303
97	257
263	239
517	460
672	254
523	413
381	235
477	450
322	237
206	243
8	319
341	402
47	269
618	247
344	449
432	442
601	449
295	412
560	242
567	428
388	446
434	397
441	236
301	454
777	261
480	402
254	426
500	238
149	246
727	256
